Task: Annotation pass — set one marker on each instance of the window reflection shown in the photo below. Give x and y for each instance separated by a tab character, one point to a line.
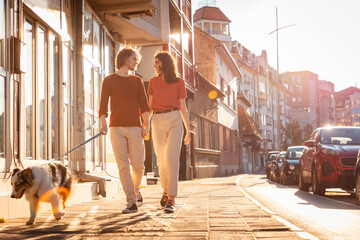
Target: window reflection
65	87
96	42
53	69
88	33
109	56
2	117
41	87
28	82
2	34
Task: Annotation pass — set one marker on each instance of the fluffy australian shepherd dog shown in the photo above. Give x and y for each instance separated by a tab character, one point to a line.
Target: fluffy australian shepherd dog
45	183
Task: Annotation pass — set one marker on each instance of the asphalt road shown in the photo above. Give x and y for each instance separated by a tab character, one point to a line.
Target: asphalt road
335	216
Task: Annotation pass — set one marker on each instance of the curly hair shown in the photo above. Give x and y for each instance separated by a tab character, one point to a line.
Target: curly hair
123	55
168	66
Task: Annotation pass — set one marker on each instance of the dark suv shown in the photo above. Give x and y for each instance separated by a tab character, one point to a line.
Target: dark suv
289	169
329	159
271	156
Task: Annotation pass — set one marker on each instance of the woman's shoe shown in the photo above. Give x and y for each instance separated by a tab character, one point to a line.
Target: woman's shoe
164	199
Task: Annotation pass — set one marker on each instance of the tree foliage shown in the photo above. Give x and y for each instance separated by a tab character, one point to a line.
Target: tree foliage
294	134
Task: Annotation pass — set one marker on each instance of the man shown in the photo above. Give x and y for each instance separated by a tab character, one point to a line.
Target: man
127	102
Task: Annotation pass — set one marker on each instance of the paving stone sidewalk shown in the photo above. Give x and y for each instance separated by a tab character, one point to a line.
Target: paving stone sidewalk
212	208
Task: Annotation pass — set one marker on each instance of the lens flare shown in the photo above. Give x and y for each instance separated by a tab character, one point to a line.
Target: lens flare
213	94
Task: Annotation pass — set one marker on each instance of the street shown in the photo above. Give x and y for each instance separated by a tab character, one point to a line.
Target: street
335	216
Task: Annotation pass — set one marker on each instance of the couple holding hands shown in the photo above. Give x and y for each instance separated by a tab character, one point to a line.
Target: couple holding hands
166	109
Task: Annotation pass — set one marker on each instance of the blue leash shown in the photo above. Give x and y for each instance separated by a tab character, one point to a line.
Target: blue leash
82	144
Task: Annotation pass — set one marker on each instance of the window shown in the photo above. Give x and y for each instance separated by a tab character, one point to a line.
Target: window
109	59
28	87
2	34
41	88
262	88
208	134
94	67
2	79
2	117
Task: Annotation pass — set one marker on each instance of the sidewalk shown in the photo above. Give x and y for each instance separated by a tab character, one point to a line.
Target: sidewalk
212	208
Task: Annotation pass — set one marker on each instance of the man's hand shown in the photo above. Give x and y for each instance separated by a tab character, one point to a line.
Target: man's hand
187	138
145	132
103	127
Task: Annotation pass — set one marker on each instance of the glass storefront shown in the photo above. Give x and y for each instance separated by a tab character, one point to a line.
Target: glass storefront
41	93
28	89
2	34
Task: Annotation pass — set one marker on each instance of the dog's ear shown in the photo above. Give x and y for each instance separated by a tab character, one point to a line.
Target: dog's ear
27	175
15	171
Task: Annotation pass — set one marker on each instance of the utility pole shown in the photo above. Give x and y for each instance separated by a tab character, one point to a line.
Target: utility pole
277	69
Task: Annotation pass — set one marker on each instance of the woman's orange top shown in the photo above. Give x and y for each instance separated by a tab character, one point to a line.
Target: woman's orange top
166	95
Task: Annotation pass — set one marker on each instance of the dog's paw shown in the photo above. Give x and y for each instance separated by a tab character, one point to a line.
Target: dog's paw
30	222
59	215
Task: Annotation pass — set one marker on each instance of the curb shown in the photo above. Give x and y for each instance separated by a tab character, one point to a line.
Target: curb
301	233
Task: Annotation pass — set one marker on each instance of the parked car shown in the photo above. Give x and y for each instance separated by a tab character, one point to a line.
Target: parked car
289	168
271	156
275	166
329	159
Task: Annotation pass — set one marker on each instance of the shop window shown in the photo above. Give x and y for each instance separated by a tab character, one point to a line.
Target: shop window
41	80
41	92
109	56
2	117
88	33
28	89
2	34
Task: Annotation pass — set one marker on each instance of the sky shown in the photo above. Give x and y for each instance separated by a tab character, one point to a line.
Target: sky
325	39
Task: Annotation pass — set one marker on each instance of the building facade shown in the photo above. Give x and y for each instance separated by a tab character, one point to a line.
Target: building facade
53	57
304	89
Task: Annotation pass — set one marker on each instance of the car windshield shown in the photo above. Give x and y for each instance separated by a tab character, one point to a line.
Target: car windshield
272	156
340	136
295	153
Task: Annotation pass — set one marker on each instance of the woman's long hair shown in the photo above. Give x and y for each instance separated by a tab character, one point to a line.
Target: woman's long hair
168	67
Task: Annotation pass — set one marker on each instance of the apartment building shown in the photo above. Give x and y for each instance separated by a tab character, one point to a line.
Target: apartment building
304	89
347	107
327	103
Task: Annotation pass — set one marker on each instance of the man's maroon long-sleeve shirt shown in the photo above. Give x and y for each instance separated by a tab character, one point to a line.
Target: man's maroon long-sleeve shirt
127	100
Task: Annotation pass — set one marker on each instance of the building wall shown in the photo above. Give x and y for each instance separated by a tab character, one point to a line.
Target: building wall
205	46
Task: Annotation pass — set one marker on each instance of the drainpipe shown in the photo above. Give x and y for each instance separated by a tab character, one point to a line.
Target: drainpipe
80	156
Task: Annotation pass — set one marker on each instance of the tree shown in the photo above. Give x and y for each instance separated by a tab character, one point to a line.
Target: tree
308	129
293	132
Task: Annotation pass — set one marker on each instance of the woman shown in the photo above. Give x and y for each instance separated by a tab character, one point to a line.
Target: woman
167	95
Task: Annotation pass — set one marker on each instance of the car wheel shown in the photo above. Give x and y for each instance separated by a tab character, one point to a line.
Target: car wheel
357	188
303	186
316	186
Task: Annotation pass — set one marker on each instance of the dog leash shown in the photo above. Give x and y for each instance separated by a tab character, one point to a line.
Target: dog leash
89	140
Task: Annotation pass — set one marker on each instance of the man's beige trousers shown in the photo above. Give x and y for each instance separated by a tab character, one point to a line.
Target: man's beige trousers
167	133
129	149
